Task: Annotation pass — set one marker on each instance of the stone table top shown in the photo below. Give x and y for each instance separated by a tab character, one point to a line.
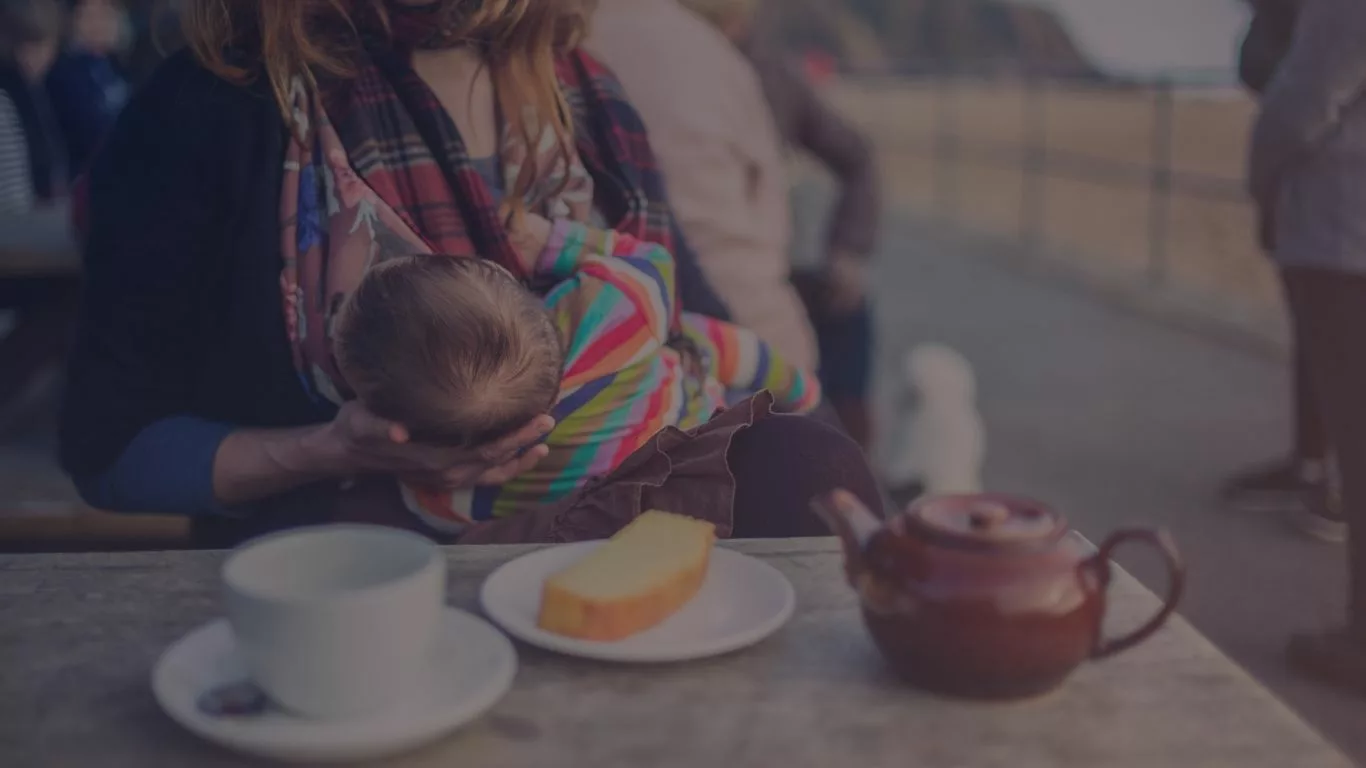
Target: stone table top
79	635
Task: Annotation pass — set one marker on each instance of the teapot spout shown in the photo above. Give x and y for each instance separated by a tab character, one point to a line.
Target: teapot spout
851	521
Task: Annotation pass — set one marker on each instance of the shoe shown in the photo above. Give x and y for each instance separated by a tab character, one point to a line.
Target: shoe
1336	657
1321	518
1282	486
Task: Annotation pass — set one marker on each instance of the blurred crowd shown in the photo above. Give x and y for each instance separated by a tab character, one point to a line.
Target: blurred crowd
66	70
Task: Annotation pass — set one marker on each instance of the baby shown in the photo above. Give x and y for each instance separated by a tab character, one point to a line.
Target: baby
460	352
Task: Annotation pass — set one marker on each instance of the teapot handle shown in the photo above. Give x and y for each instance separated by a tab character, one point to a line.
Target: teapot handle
1176	581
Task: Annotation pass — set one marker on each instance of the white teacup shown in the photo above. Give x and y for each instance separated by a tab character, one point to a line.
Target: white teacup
336	621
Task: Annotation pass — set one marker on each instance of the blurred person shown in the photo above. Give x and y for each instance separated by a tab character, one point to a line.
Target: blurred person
155	26
1266	42
34	216
1307	174
721	155
34	168
249	186
835	294
1291	482
87	85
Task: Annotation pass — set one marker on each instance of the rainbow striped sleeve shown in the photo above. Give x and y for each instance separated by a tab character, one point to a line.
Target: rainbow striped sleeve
642	270
740	360
614	303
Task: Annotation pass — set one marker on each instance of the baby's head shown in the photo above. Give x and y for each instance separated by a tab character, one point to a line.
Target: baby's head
456	350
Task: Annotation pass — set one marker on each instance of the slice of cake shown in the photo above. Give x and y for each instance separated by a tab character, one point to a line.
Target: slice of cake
635	580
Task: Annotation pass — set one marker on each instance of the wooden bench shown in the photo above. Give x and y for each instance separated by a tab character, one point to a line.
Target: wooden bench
24	262
74	527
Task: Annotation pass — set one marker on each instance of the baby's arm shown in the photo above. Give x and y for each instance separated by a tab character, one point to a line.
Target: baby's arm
643	271
614	303
743	361
449	512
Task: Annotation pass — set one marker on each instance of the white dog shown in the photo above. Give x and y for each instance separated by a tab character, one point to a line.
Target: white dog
942	442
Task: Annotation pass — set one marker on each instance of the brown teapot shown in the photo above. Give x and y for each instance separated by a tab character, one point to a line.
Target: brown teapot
985	596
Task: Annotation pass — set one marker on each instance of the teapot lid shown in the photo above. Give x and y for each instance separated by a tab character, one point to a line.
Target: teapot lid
986	521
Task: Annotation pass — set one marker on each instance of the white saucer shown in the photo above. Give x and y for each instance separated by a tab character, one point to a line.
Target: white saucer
473	666
742	601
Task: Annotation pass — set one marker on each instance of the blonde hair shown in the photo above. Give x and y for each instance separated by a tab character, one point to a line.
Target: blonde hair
283	38
454	349
24	22
718	13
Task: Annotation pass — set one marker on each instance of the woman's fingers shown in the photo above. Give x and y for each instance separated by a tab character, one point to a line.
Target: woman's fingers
462	477
390	448
363	426
470	475
500	451
511	469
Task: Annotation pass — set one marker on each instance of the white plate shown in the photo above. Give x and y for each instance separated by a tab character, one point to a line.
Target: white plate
472	667
742	601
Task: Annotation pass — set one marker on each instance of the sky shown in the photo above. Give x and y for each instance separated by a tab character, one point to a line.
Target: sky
1145	37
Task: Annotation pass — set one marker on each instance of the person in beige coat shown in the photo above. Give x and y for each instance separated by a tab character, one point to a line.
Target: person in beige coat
836	291
721	155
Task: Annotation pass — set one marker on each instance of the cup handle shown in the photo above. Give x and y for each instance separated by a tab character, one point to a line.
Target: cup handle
1176	582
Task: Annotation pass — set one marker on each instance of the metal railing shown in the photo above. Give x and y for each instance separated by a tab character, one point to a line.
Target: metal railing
1039	159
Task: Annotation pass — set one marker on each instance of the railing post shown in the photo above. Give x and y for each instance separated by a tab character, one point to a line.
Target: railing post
946	146
1034	163
1160	186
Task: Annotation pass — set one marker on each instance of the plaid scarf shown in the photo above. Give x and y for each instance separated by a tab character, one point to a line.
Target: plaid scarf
378	169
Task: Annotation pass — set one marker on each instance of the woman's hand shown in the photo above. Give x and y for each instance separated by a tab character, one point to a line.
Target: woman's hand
363	442
529	234
254	464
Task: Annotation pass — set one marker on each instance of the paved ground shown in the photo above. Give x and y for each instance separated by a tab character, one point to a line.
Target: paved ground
1120	420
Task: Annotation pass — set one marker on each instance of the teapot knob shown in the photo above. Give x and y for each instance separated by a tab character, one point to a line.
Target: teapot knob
985	515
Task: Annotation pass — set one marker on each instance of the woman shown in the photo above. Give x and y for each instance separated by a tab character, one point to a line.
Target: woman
253	180
1307	173
34	218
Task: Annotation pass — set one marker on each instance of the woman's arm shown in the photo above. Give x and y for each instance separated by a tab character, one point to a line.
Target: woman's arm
1322	74
164	197
843	150
253	464
162	200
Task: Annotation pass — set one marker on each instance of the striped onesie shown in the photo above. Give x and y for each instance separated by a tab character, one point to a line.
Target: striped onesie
634	364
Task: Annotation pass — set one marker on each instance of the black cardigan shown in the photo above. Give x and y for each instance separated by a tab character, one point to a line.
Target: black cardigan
182	313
